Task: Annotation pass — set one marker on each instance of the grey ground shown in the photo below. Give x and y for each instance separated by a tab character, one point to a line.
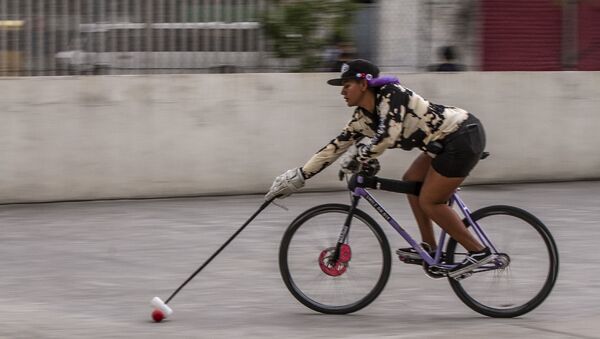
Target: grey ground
90	269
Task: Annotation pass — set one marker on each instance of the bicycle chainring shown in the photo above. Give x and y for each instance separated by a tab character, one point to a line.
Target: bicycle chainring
434	272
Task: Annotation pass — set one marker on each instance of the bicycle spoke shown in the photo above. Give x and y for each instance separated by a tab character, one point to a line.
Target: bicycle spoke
532	264
334	287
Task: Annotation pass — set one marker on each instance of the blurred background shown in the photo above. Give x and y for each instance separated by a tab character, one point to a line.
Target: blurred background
65	37
153	98
136	99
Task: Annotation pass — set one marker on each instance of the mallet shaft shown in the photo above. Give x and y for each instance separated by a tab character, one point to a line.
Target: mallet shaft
262	207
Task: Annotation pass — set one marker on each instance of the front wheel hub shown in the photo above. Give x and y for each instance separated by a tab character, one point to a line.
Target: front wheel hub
345	253
337	268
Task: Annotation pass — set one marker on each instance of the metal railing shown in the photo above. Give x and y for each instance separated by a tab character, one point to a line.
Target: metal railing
60	37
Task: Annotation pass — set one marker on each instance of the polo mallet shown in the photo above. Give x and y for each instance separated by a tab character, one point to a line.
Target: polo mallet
162	310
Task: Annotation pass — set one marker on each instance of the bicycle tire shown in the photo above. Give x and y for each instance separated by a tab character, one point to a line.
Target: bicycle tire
467	289
320	216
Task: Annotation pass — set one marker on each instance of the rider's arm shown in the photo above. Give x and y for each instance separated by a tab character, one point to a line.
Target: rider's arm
333	150
391	112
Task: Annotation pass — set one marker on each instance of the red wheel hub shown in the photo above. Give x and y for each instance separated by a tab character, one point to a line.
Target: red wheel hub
345	253
339	267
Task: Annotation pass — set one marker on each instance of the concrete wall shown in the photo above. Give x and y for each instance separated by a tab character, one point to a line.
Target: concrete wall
150	136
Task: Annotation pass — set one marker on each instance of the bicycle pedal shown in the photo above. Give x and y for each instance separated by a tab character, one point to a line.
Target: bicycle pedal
410	260
463	276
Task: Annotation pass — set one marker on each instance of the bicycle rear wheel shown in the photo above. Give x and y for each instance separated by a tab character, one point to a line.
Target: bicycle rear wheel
525	243
308	270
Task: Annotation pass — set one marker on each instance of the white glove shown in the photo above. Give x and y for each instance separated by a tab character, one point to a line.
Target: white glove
284	185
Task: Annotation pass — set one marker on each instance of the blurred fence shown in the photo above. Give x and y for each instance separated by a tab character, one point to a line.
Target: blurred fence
62	37
57	37
65	37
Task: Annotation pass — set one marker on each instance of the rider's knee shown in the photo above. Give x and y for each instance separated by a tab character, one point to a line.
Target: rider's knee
428	203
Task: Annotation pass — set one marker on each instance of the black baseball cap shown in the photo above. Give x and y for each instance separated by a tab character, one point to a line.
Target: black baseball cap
356	69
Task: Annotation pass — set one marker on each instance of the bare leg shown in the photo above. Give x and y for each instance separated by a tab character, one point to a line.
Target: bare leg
417	172
435	193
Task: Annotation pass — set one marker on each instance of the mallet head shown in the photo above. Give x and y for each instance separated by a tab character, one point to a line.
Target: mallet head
159	304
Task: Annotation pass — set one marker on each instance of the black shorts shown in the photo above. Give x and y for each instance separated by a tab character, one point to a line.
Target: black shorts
462	149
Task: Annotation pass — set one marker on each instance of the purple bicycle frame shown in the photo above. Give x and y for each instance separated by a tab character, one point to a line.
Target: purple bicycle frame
363	193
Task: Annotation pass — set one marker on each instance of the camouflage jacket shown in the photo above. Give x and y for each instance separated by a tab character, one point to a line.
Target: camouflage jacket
402	119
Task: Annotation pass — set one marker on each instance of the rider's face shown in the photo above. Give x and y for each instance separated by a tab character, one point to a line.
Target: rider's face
353	92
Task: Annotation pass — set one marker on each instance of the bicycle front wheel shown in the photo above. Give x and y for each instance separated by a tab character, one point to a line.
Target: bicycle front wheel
313	275
530	258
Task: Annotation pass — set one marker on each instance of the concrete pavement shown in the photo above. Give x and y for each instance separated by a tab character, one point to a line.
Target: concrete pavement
90	269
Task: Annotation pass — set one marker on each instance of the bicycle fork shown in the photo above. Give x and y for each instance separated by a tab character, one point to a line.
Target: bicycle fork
345	229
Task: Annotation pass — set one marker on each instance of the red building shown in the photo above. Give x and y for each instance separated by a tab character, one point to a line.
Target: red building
540	35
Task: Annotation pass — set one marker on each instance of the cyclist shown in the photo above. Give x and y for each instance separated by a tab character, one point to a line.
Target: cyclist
389	115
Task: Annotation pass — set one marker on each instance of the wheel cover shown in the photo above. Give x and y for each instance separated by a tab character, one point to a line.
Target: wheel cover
339	267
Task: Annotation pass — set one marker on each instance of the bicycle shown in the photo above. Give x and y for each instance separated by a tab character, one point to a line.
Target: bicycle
336	259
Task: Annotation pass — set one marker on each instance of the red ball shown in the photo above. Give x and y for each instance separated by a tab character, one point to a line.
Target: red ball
158	316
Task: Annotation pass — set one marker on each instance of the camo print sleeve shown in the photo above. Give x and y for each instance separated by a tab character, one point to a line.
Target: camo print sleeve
402	118
334	149
391	111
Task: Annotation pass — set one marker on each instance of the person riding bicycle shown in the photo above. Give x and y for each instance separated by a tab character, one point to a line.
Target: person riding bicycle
390	115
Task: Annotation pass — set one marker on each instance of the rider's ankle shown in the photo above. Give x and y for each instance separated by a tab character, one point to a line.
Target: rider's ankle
428	247
482	249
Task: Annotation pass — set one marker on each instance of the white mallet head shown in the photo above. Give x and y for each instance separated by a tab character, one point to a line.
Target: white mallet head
159	304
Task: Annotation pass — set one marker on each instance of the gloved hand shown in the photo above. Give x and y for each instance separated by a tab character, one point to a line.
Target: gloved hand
371	167
287	183
350	165
348	162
